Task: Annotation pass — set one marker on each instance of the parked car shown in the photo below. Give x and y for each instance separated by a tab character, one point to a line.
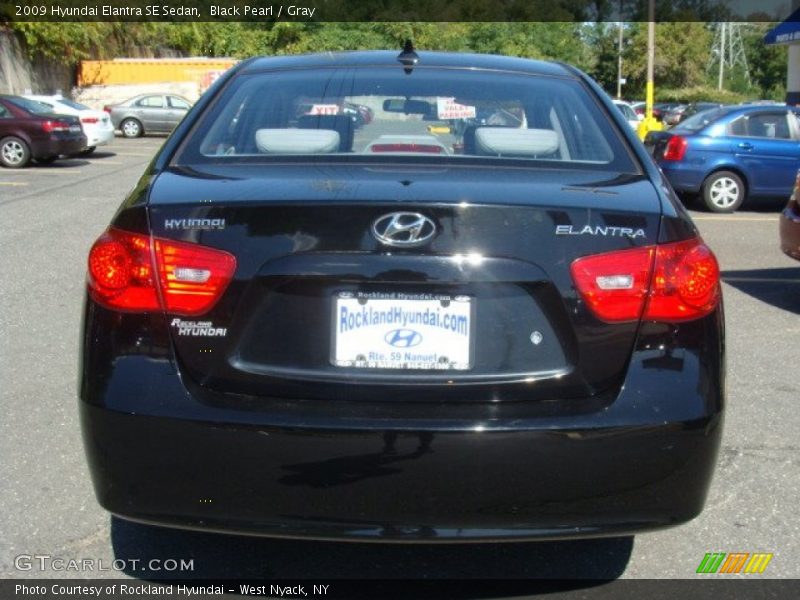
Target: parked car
640	108
148	113
287	335
31	131
674	115
679	115
627	111
730	154
790	222
96	124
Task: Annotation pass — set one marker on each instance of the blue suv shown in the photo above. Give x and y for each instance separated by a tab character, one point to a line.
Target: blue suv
730	154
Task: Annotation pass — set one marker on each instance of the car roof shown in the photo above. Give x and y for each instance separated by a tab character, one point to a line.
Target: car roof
383	58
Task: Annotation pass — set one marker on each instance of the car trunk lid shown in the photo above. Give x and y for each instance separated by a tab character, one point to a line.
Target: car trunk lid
311	276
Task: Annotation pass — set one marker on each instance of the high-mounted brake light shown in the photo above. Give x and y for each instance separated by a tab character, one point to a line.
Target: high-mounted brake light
670	282
676	148
128	271
423	148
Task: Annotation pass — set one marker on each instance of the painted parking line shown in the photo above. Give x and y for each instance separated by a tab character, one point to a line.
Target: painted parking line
761	279
61	171
729	218
35	172
14	183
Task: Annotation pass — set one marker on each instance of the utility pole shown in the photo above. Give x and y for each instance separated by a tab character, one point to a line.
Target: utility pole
650	123
619	62
651	57
722	28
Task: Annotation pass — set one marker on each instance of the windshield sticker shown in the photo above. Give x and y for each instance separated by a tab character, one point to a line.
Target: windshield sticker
448	108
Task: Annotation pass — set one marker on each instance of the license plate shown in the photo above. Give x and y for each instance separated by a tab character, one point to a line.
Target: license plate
402	331
75	128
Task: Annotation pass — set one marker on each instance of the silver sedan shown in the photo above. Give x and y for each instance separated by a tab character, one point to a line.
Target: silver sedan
148	113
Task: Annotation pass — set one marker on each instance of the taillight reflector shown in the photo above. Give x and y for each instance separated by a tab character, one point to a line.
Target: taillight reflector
89	120
670	282
129	272
676	148
620	302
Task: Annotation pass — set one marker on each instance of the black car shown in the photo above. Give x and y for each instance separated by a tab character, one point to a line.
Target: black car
29	130
288	335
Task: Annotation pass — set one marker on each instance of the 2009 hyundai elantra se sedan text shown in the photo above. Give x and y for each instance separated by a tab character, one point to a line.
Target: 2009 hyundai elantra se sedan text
481	315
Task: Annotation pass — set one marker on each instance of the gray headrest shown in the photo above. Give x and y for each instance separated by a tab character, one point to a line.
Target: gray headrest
508	140
297	141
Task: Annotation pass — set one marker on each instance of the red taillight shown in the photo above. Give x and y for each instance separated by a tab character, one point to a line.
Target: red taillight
669	282
685	282
423	148
89	120
676	148
614	285
192	277
121	272
107	109
126	271
50	126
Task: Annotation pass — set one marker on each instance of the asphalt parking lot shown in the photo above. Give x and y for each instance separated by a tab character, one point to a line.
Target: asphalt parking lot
51	215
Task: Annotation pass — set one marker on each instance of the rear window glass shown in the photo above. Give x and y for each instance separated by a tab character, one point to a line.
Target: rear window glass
701	119
384	114
32	106
75	105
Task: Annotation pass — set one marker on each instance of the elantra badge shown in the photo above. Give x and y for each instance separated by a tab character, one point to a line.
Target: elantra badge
403	229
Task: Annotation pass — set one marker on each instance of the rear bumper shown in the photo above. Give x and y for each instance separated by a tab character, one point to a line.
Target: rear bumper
683	177
386	471
417	485
790	230
56	146
99	136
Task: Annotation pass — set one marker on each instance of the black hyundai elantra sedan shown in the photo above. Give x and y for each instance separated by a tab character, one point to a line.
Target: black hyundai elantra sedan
481	315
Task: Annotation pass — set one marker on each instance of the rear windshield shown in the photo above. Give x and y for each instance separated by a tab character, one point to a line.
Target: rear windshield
71	104
32	106
702	119
430	115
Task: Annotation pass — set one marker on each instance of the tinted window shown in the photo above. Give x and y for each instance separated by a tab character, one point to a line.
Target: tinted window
738	127
772	125
700	120
178	103
75	105
433	114
627	111
31	106
151	102
4	114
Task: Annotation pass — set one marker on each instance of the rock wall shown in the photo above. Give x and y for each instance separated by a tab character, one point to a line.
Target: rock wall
97	96
19	74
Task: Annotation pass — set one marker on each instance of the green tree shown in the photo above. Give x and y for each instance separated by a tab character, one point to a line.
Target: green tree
681	55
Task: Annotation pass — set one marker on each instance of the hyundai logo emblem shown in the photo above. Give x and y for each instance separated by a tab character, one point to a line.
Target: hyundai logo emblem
403	229
403	338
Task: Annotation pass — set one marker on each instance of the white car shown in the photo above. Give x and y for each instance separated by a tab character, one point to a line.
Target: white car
96	124
630	115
